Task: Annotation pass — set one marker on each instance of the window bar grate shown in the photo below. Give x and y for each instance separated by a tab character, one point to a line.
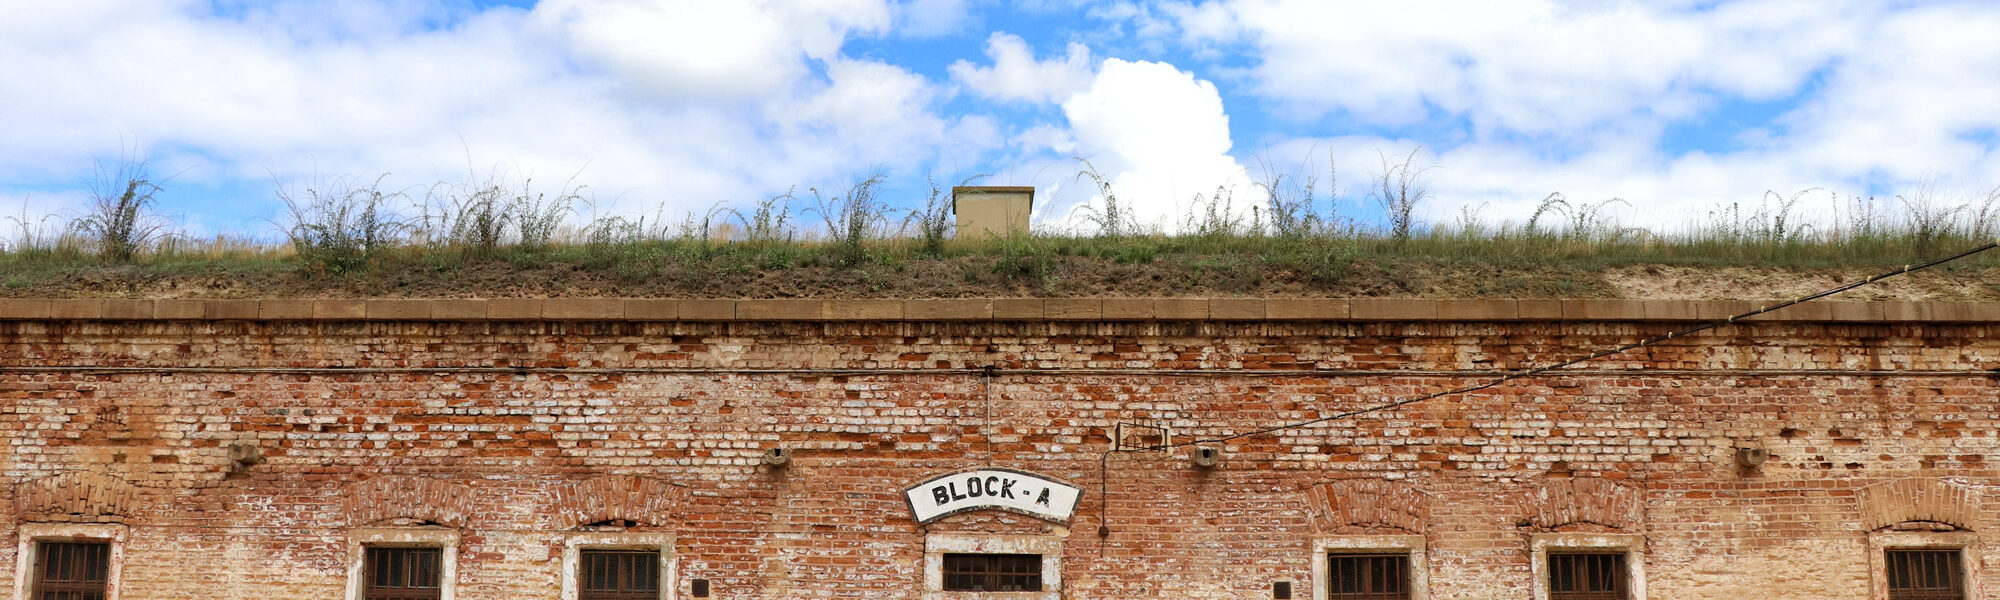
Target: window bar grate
72	570
618	575
1368	576
1587	576
402	573
1924	575
992	572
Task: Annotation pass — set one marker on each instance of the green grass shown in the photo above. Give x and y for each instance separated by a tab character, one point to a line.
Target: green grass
1529	266
348	233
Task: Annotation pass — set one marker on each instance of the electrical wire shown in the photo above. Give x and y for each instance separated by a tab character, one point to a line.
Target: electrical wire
1531	372
1104	462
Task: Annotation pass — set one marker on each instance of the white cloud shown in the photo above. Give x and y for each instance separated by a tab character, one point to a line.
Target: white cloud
1575	96
869	113
931	18
1202	24
1539	67
652	118
1913	100
688	103
1159	134
1017	76
683	48
1046	138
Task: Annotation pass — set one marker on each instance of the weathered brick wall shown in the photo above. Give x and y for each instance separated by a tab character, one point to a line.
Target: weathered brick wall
620	420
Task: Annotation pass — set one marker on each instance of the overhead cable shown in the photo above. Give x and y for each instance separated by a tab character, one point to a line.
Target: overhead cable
1531	372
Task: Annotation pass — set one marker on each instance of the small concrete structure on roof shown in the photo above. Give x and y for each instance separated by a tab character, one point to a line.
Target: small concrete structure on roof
992	211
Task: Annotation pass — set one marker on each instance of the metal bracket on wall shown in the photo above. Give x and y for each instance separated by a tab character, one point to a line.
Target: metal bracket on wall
1148	437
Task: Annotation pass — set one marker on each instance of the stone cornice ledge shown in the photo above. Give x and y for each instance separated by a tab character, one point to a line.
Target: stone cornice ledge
979	309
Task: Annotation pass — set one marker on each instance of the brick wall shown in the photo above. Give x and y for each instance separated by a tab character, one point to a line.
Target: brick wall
517	432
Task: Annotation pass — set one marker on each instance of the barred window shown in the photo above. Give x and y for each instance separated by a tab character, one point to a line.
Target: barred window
393	573
619	575
993	572
1924	575
1587	576
72	570
1367	576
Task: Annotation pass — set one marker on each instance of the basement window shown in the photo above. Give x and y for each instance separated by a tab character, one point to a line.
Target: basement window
1588	566
72	570
69	561
1924	575
1934	565
619	565
403	574
1370	567
1368	576
992	572
1587	576
402	563
981	566
619	575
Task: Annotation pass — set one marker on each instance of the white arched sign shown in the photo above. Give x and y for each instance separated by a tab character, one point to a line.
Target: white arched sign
1005	489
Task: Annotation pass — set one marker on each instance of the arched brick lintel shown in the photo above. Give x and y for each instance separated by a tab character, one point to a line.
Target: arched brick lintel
647	502
1554	503
398	497
76	497
1938	501
1373	503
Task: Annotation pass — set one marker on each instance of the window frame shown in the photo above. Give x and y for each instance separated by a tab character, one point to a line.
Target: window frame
359	539
1631	545
1577	571
993	575
576	543
1412	546
936	545
1881	542
31	535
411	564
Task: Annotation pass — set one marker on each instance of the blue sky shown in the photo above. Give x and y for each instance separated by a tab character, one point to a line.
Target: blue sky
1677	107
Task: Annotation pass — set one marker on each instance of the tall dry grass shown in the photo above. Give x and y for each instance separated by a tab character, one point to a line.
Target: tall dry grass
351	226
